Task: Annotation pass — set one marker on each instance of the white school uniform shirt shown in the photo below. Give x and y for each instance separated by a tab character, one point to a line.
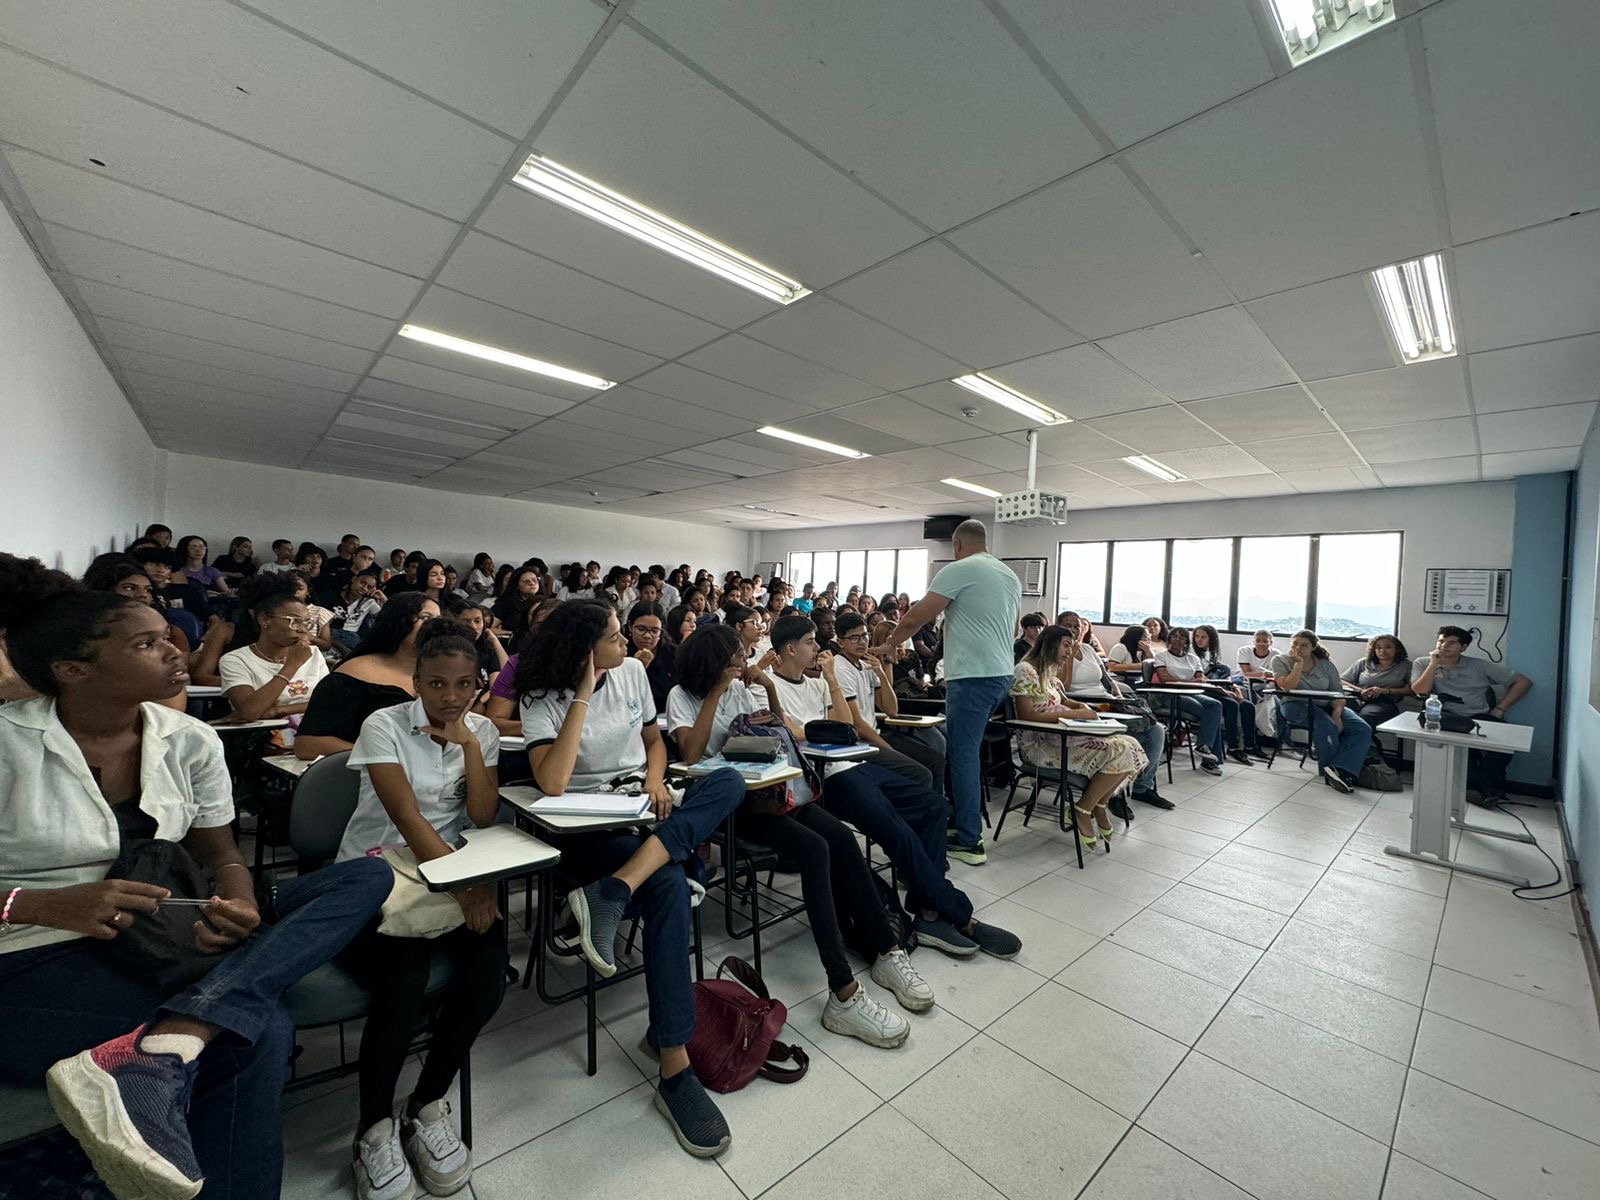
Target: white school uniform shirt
1179	667
1247	657
612	743
245	668
683	710
437	774
856	684
670	597
807	701
1085	673
56	829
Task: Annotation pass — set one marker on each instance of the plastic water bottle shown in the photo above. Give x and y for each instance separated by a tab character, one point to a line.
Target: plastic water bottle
1431	712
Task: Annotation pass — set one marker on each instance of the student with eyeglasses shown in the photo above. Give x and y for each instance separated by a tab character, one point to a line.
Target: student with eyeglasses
647	642
274	674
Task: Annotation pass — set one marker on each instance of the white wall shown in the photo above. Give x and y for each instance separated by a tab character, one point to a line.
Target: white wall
80	472
222	500
1457	525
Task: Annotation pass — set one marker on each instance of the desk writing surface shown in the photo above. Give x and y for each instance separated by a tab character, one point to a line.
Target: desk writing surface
203	691
288	764
522	798
224	725
1493	735
490	854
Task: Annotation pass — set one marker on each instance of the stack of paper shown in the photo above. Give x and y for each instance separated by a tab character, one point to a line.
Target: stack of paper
751	772
1101	725
591	804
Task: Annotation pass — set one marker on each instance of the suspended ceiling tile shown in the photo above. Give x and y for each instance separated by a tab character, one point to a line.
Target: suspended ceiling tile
1536	428
1328	328
1293	457
938	297
1219	353
639	121
161	343
933	105
1463	469
1396	396
442	381
1092	252
757	365
1335	166
1212	462
1156	429
1415	443
1530	462
1532	285
1278	412
1560	372
825	331
1325	479
905	418
1083	382
955	403
1244	486
1514	99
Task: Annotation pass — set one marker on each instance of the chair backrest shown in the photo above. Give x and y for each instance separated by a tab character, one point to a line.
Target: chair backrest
1147	671
323	802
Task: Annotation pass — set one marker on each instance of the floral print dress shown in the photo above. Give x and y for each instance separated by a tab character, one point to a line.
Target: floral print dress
1087	754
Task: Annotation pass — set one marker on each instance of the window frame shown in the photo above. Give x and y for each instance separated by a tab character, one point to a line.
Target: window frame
1313	565
864	551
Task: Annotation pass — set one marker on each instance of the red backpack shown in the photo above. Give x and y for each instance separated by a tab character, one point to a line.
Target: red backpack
736	1026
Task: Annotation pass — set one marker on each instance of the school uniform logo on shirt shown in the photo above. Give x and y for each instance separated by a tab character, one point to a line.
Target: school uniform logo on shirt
297	690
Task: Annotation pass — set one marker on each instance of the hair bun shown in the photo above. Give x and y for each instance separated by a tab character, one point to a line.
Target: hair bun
25	584
435	628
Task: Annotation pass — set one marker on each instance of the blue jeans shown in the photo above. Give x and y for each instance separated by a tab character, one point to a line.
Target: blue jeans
1153	741
969	703
1238	723
663	899
1207	713
61	999
345	638
1344	749
908	821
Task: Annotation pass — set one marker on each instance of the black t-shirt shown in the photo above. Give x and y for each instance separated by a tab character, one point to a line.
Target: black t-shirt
340	703
225	562
335	573
188	597
662	673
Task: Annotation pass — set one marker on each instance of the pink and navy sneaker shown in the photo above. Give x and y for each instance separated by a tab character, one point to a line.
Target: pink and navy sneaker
128	1109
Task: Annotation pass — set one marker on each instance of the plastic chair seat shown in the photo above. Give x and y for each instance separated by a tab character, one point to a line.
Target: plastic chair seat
332	993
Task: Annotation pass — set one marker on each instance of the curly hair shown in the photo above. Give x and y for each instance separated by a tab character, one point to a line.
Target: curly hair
554	657
48	617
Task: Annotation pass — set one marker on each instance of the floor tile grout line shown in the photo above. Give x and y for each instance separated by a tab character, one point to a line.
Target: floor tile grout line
1591	1141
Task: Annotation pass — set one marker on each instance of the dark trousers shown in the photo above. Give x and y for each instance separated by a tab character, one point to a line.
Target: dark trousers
926	747
663	899
395	970
1486	771
59	1000
832	872
909	822
901	763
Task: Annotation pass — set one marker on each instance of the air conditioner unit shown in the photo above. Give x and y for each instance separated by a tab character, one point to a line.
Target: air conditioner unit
1031	571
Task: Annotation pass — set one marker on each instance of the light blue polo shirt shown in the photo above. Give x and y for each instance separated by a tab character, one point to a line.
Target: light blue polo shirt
981	620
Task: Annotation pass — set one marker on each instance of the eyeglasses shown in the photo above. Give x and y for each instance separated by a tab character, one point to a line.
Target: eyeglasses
854	637
299	624
646	630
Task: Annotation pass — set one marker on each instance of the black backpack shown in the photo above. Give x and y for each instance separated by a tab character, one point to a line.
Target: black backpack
856	938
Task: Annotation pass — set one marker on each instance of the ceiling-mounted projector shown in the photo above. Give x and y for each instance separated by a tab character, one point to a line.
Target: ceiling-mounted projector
1032	507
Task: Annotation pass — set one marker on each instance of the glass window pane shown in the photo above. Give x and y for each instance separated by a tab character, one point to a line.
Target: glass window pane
1081	580
911	576
1138	572
824	569
852	570
1358	584
1273	573
799	569
880	572
1202	572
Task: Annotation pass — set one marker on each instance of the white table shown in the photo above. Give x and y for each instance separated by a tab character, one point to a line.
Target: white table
914	722
829	754
522	798
288	764
489	856
512	744
1439	789
203	691
228	725
684	771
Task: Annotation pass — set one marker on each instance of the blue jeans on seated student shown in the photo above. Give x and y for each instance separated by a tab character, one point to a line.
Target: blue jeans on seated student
1238	723
909	823
1205	711
345	638
1343	749
663	899
63	998
1153	741
969	703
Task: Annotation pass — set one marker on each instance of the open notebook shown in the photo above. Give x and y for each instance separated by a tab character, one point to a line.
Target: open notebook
591	804
751	772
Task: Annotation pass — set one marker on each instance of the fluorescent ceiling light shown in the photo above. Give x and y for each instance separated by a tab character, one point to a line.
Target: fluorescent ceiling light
445	341
1311	28
815	443
599	203
1151	467
972	487
1416	305
1008	397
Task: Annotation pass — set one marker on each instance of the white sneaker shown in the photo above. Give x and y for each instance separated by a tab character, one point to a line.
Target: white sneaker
863	1017
380	1166
895	972
441	1162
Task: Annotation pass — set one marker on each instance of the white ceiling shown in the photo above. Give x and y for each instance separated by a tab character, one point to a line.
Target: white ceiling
1134	212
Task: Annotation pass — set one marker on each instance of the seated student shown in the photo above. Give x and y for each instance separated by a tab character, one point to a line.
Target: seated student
714	688
397	566
427	770
1084	631
908	821
165	1092
1039	690
645	626
408	579
159	535
650	589
176	594
509	608
452	584
501	704
1083	671
377	674
588	720
1255	660
308	557
1340	737
431	579
749	625
807	600
282	558
275	668
1156	632
1238	710
681	622
355	606
867	687
480	580
239	562
337	569
128	580
322	635
191	566
826	622
1467	687
1178	664
492	656
1379	679
1130	652
1032	626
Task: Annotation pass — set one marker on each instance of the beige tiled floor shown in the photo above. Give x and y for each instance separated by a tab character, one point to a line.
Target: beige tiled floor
1245	998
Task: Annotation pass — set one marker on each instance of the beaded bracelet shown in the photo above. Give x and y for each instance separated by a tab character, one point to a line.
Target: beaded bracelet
5	913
